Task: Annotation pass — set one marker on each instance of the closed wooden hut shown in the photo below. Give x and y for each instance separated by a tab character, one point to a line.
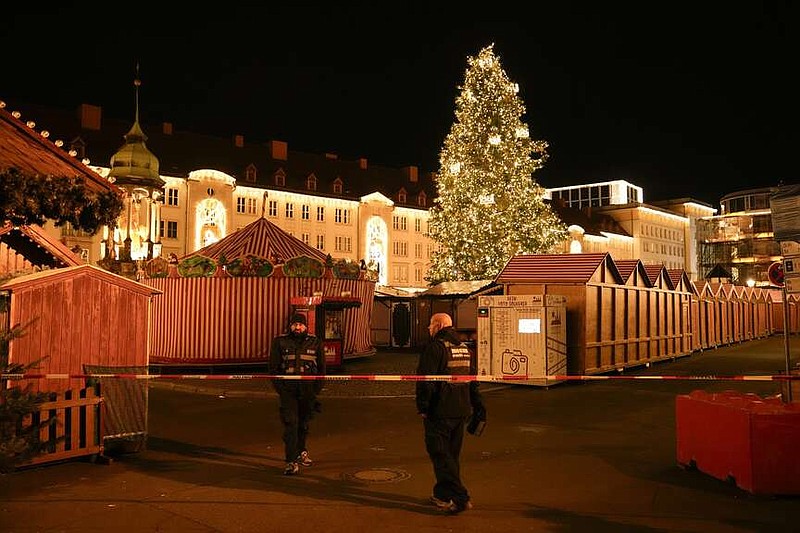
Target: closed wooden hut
633	328
762	320
28	248
76	317
610	324
777	308
722	298
661	308
729	300
595	302
707	331
456	299
393	317
685	316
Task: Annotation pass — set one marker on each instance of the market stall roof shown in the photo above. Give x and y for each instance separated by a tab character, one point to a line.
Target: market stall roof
33	153
37	247
560	268
448	289
386	291
85	269
260	238
633	272
658	272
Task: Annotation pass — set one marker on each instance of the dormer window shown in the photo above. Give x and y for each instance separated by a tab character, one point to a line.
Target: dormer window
311	182
422	199
280	178
337	186
402	197
79	145
250	173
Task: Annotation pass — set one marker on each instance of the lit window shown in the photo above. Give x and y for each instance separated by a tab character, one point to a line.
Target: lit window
171	227
341	216
172	196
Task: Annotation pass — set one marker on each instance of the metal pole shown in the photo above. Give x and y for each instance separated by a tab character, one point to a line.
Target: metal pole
787	396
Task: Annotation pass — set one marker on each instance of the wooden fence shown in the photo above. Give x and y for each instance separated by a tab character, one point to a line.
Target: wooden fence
77	429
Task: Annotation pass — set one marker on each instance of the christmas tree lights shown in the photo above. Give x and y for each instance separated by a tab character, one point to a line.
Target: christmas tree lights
489	208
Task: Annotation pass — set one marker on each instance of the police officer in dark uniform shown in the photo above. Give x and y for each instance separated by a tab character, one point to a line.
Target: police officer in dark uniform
297	353
445	407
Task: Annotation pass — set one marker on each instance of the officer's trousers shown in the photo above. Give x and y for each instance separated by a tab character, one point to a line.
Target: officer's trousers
296	409
443	440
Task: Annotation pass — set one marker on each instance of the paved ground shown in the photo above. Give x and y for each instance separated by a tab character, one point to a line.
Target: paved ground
594	456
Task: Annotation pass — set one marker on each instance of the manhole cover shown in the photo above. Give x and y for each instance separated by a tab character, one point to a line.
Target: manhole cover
378	475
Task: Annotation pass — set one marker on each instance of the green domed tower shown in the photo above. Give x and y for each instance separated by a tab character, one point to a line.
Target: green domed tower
134	169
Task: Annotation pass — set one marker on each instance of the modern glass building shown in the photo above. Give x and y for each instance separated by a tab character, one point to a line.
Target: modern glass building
739	241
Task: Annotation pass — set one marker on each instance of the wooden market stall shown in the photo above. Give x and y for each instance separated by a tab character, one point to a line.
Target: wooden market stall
633	330
598	338
662	310
706	329
685	313
456	299
79	316
28	248
777	311
762	320
393	318
224	304
85	320
724	321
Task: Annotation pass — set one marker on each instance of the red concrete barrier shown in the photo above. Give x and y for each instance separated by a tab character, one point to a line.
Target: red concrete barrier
753	441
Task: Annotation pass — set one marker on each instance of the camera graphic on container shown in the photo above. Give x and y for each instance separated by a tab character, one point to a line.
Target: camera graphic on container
515	363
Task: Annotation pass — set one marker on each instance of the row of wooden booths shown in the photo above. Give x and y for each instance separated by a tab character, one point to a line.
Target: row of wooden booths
619	313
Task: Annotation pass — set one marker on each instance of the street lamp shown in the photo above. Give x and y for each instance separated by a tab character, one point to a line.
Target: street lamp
751	282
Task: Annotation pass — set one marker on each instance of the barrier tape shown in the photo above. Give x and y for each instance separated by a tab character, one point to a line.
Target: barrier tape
381	377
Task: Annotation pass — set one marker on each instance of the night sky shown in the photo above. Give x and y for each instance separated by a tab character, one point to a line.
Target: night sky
685	100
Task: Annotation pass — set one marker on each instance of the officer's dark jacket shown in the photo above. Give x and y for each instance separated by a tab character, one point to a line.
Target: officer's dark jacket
447	355
297	354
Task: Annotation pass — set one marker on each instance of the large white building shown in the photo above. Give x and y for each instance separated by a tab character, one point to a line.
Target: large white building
185	191
663	232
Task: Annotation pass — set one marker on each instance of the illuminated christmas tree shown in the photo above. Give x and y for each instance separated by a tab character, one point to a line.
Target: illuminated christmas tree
489	208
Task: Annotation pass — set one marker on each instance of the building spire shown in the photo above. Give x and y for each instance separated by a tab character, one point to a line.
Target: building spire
137	82
133	163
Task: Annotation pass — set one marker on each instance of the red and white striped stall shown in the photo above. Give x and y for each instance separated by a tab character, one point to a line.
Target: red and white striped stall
224	303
